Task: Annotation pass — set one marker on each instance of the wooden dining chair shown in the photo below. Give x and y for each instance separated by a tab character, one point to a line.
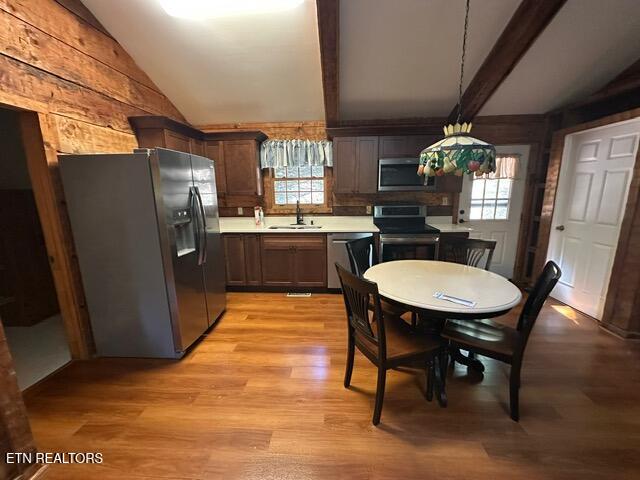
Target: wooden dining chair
386	341
362	256
503	343
467	251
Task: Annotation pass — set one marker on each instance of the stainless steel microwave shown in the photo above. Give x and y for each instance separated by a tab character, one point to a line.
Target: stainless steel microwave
401	175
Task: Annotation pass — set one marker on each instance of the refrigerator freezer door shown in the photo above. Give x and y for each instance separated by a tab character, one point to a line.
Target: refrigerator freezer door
181	242
204	181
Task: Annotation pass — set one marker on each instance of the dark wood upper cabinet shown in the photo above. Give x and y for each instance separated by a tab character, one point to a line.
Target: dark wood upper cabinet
236	155
344	164
242	167
397	146
176	141
367	160
213	150
355	164
197	147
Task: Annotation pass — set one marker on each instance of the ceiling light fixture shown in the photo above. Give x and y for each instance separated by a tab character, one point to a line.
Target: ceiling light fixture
200	9
458	152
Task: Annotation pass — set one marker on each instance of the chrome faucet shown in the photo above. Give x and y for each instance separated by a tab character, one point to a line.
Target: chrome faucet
299	217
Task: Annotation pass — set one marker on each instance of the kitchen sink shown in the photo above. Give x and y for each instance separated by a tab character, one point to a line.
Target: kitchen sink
294	227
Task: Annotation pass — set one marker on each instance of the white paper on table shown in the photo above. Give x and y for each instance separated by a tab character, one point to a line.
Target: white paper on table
457	300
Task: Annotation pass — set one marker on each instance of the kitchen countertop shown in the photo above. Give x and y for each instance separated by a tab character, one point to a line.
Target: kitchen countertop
329	224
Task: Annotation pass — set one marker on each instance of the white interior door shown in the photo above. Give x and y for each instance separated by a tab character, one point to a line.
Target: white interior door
590	202
493	209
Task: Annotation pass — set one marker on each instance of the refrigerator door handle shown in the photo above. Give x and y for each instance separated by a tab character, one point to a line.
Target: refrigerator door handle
195	215
204	225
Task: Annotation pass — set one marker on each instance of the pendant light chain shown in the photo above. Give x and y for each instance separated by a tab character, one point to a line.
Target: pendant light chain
458	153
464	51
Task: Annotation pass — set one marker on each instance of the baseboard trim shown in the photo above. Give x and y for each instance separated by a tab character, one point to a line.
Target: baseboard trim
33	390
620	332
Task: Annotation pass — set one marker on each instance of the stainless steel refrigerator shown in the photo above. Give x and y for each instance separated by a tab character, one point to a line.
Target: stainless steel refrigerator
147	236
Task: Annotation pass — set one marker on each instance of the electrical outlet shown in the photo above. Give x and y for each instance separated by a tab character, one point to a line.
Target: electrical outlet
240	211
445	200
368	209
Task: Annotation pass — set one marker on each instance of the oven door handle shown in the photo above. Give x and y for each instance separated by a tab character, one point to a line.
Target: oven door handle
410	241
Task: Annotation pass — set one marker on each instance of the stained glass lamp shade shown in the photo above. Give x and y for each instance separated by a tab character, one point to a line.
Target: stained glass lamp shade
457	153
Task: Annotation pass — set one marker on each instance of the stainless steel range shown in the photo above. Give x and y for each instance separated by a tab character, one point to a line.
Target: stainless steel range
404	233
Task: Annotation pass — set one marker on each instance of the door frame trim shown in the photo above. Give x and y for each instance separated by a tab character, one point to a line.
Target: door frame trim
40	145
632	208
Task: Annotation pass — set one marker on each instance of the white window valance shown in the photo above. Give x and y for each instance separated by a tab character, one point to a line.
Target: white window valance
506	167
295	153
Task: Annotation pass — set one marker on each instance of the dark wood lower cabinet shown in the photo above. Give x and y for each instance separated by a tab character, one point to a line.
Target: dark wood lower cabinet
294	260
242	259
234	259
310	261
275	260
252	259
278	261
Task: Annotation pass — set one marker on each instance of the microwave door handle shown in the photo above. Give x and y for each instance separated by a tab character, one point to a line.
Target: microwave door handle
204	226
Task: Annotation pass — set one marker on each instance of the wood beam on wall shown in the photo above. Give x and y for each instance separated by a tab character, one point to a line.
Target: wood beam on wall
328	12
527	23
40	140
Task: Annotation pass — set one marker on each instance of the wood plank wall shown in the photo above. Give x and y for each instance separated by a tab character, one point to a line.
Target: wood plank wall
82	86
52	61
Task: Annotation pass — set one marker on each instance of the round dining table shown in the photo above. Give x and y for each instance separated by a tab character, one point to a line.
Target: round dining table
412	284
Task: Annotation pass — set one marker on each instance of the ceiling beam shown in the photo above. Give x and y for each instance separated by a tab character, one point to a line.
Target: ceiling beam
628	80
328	32
528	21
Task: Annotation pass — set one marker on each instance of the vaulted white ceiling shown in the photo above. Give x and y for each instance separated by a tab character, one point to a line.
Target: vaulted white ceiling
402	58
397	58
585	46
261	67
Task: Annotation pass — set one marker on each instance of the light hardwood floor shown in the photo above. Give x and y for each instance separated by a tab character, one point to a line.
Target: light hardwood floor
261	397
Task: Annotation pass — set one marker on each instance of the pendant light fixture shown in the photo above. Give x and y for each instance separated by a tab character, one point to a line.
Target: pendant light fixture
458	152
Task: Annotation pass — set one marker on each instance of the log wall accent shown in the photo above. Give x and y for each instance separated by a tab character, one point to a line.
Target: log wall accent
274	130
53	62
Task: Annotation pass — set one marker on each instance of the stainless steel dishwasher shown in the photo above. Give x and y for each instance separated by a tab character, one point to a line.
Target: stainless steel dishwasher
337	252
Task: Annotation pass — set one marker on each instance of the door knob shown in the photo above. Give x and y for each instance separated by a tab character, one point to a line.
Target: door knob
560	227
